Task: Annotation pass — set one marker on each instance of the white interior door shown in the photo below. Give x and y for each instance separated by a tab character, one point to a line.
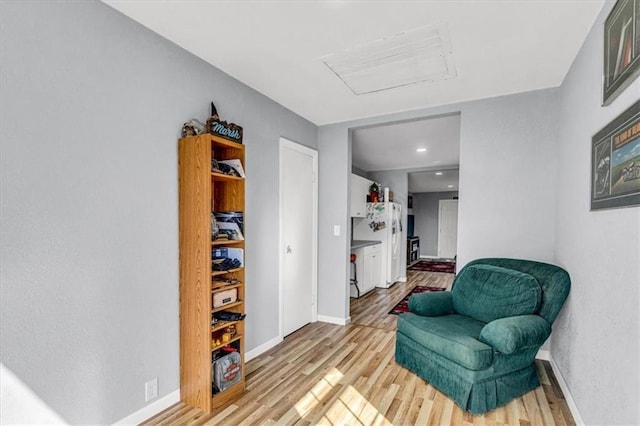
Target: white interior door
298	235
447	228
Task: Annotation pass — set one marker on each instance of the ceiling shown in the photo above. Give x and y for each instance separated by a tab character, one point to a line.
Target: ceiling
433	181
394	146
279	48
314	57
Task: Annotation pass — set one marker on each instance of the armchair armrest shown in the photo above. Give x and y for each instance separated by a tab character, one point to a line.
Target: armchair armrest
513	334
431	304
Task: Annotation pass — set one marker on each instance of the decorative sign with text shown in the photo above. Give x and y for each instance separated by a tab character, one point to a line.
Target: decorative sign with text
229	131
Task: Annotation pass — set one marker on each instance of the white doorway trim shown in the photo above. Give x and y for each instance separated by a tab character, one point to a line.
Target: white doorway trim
288	144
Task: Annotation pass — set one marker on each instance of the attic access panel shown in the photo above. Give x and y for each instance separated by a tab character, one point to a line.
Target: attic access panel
415	56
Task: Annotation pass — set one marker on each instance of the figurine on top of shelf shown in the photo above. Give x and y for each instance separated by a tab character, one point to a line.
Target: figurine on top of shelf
374	193
192	127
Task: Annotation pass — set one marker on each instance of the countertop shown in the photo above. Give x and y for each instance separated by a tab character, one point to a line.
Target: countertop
356	244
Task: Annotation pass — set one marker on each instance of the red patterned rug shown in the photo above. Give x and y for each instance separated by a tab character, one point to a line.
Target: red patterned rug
434	266
403	306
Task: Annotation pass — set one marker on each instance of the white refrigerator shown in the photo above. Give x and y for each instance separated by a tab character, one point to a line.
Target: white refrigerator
383	222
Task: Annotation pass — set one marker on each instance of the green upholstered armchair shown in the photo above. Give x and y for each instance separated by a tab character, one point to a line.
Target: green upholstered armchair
477	343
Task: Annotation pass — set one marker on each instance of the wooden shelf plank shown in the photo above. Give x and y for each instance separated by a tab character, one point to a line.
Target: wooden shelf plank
221	142
226	242
222	398
235	339
221	177
217	141
221	287
227	306
228	271
222	324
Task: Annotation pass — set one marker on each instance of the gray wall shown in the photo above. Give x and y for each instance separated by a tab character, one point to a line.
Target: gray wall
91	108
334	167
596	342
507	200
425	209
507	177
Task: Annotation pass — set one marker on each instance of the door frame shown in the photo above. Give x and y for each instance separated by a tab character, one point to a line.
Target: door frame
289	144
440	203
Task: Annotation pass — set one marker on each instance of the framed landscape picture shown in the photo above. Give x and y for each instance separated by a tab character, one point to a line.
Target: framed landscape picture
615	162
621	48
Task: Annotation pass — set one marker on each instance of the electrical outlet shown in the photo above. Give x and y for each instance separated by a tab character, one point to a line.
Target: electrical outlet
151	390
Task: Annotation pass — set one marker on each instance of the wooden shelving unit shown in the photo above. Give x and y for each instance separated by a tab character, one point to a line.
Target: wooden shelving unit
202	192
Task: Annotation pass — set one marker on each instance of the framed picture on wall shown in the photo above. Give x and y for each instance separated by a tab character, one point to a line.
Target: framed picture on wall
615	162
621	49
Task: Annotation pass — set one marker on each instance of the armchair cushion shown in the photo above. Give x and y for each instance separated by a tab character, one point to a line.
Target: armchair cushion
487	293
431	304
514	334
454	337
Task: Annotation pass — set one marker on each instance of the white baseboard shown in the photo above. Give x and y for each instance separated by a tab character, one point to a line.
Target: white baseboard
334	320
543	354
426	256
402	279
151	409
567	394
262	348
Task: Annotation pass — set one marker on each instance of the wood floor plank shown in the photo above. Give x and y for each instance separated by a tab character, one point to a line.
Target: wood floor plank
545	408
532	409
347	375
425	412
436	412
388	399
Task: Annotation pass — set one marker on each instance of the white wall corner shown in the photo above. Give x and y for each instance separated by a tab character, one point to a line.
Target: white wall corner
402	279
151	410
334	320
253	353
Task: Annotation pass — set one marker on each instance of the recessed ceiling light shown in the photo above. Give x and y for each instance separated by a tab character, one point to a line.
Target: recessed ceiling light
450	186
421	150
438	173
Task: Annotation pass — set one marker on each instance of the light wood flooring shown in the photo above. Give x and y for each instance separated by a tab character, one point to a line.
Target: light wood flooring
346	375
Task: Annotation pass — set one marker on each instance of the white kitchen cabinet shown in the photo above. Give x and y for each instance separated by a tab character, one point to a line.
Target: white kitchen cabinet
359	187
372	267
369	266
